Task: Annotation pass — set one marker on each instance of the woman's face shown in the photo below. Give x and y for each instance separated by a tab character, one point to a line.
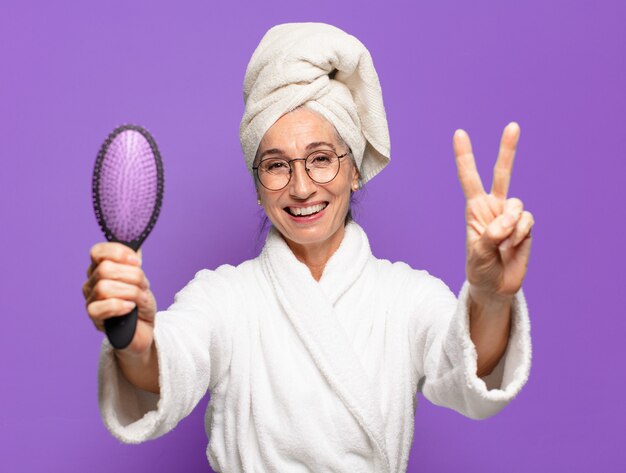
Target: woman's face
291	134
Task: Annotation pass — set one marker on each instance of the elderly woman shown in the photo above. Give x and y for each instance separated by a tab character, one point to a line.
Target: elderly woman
313	352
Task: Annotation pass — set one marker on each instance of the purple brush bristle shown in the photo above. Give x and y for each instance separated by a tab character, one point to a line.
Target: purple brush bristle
128	185
127	194
128	181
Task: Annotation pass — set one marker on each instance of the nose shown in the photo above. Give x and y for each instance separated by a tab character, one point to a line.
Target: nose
301	186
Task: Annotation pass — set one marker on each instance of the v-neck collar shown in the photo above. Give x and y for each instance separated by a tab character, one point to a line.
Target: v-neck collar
309	304
342	268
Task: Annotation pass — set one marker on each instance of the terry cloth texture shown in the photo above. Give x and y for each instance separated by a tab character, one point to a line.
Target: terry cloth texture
309	376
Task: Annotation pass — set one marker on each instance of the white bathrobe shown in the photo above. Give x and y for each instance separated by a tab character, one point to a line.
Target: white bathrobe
310	376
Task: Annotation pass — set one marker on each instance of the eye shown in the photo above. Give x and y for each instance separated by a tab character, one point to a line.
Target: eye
270	165
321	158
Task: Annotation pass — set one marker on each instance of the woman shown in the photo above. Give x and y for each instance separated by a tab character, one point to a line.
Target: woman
313	351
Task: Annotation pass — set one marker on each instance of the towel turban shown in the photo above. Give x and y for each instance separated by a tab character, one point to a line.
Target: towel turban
327	70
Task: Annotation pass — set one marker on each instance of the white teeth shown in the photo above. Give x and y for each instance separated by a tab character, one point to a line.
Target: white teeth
306	210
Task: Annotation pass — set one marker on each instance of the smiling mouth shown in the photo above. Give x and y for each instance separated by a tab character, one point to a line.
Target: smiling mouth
305	211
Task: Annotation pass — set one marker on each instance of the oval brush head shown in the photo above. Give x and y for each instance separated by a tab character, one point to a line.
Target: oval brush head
127	194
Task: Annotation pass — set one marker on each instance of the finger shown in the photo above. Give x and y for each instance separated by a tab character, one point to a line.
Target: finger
100	310
86	289
522	250
502	226
108	269
521	232
90	269
127	273
513	206
504	165
106	289
114	251
466	165
99	326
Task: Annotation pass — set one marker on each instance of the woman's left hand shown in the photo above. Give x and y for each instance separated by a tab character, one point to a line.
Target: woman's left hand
498	228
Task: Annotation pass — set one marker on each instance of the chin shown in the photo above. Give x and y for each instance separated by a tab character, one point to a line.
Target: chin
307	236
313	234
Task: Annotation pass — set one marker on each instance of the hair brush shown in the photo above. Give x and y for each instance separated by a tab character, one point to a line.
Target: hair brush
127	192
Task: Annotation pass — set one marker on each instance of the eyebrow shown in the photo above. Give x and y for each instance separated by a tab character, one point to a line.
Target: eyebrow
315	144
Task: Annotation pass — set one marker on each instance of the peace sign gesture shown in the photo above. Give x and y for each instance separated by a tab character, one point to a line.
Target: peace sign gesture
498	228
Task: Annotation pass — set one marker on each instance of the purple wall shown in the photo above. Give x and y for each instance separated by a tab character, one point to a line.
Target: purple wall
72	71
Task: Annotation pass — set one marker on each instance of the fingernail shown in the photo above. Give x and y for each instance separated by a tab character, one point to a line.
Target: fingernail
505	244
508	220
134	260
128	305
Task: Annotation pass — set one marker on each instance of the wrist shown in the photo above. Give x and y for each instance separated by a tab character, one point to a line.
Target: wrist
128	356
489	299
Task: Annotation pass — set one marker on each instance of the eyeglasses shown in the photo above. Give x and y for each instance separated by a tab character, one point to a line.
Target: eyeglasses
322	166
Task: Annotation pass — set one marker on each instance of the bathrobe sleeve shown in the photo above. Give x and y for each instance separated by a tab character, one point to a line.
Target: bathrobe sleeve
447	357
193	340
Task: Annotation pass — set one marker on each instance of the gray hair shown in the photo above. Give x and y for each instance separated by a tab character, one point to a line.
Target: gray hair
338	137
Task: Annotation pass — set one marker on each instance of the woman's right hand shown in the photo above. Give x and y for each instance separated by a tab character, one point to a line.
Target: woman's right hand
115	284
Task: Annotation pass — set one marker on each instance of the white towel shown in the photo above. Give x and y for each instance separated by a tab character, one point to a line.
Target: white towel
329	71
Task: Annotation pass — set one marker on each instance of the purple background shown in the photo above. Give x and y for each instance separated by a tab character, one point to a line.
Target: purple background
72	71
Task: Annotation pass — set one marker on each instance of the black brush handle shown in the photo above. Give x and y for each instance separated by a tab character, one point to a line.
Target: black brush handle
121	329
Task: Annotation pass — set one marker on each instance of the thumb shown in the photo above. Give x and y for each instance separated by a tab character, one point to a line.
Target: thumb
497	231
502	226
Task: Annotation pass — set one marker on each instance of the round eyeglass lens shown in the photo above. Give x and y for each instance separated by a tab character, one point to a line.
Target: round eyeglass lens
322	166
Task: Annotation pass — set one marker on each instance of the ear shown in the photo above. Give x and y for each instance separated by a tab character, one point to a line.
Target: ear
355	179
256	190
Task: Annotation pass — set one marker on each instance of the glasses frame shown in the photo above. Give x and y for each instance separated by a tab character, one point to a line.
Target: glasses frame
289	161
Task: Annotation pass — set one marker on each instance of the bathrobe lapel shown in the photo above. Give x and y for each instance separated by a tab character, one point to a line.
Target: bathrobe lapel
310	307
